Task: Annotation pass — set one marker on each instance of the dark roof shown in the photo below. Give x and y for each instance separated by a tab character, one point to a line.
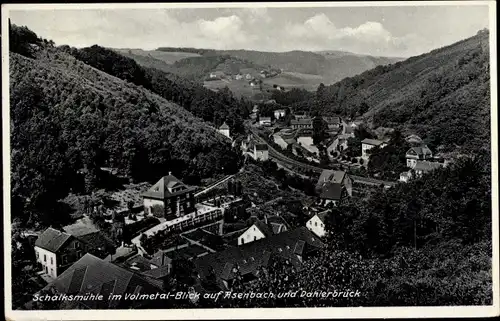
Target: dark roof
161	259
426	166
421	150
332	191
251	256
139	262
374	142
264	228
161	189
224	126
330	176
322	215
97	240
91	275
52	240
261	147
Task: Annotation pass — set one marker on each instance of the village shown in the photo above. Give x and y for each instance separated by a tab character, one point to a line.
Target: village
170	220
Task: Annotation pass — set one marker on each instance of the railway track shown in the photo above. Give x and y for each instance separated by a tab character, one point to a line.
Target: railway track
273	153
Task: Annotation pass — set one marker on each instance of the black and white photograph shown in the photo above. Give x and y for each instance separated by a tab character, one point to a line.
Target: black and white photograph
217	160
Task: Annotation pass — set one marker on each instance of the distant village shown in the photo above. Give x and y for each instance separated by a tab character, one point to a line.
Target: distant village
80	258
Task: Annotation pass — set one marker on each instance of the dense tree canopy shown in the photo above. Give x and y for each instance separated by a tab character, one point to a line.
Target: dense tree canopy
443	96
68	120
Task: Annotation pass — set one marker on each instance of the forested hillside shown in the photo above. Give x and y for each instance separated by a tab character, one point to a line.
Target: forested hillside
206	104
443	95
69	119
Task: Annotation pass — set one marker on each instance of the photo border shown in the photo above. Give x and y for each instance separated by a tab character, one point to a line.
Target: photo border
256	313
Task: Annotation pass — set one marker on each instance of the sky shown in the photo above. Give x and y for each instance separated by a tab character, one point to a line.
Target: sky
379	31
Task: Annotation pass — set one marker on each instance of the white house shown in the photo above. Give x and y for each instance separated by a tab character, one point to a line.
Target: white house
265	121
56	251
316	224
257	231
224	130
367	144
261	152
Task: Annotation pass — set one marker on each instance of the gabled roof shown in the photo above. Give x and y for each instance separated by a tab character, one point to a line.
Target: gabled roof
374	142
97	240
263	227
138	263
251	256
52	240
330	176
81	227
91	275
322	215
420	150
160	190
224	126
427	166
261	147
332	191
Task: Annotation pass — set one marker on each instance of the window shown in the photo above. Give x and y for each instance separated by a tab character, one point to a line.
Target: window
315	223
45	257
255	238
77	245
78	254
51	260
